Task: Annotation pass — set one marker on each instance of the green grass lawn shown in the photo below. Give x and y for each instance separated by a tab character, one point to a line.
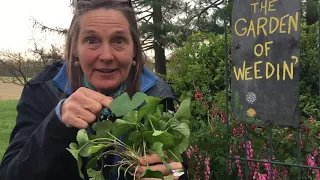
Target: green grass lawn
7	121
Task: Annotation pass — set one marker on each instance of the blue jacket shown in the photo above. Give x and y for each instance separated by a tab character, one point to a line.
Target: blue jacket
38	142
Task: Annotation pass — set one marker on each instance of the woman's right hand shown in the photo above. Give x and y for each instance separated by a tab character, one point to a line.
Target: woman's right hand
83	107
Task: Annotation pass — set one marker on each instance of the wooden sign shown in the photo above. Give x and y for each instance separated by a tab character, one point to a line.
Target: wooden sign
265	61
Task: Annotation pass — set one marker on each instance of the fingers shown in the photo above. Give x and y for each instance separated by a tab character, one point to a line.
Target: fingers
83	105
172	176
87	103
160	167
165	177
100	98
74	110
150	159
77	123
79	118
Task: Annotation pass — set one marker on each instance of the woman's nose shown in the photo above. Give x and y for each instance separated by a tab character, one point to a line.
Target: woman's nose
105	53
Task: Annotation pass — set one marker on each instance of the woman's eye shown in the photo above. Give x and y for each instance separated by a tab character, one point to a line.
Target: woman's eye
90	41
119	40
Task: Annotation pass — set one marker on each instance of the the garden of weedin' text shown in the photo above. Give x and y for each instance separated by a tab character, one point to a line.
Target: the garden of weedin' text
250	70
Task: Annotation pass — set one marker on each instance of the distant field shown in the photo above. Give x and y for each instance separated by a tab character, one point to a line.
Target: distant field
9	91
9	95
7	116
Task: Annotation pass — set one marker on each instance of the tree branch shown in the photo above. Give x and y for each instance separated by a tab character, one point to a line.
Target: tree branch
3	80
143	11
16	67
138	5
44	28
196	15
149	15
148	20
17	77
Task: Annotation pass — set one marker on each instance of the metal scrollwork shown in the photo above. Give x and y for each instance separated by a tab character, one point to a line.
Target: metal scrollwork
215	5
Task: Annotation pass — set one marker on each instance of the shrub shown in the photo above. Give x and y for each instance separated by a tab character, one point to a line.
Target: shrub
197	70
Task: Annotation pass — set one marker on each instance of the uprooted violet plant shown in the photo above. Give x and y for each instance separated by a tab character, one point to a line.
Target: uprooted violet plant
144	127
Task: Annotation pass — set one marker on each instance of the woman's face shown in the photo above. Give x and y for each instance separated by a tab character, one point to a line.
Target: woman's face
105	48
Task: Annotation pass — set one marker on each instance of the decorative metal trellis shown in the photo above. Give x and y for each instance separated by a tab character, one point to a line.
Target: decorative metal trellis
214	4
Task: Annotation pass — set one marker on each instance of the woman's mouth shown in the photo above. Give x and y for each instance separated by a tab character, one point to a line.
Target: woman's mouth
106	70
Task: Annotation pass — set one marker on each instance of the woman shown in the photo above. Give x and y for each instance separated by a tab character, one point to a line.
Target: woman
104	59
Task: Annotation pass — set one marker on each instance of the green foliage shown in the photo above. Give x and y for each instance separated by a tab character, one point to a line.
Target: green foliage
309	70
145	130
197	71
124	104
200	63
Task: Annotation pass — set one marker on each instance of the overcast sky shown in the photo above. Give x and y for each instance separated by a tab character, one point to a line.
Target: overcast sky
16	32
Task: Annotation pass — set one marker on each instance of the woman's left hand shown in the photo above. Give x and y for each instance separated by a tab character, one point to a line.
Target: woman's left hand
155	163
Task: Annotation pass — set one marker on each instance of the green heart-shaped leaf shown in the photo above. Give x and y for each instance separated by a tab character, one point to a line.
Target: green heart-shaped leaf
157	123
82	137
96	148
95	175
120	126
131	117
102	128
149	107
84	152
167	139
73	149
181	130
121	105
184	111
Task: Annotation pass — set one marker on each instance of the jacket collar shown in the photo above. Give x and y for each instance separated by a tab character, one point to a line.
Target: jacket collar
148	79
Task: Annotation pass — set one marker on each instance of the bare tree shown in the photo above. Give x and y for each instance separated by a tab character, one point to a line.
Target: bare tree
44	28
13	63
20	67
48	56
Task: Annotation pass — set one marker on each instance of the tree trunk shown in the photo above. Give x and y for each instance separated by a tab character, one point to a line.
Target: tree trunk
311	11
160	58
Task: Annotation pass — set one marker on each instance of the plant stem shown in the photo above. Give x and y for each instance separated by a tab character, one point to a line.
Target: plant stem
101	139
151	125
170	120
115	138
92	143
125	173
173	154
144	150
102	163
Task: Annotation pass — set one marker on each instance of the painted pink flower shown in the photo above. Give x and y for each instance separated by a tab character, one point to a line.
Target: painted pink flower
240	174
